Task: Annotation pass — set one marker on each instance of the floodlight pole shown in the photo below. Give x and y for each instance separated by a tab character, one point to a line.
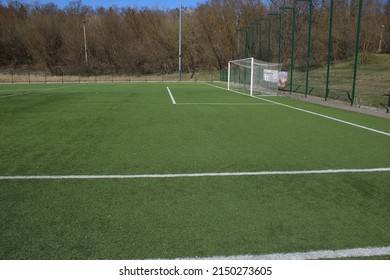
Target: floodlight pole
308	45
329	48
357	51
280	32
380	40
292	9
85	43
180	22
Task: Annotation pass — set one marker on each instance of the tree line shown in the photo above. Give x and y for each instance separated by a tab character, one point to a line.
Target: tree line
141	40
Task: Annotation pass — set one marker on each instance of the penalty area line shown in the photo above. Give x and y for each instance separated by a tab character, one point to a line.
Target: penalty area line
171	95
183	175
308	112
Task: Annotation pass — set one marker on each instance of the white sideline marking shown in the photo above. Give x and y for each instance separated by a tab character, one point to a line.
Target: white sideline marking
34	91
22	93
181	175
309	112
312	255
230	104
171	95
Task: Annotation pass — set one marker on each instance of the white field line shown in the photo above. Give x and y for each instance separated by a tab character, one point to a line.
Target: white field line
309	112
182	175
216	103
171	95
12	90
230	104
35	91
313	255
22	93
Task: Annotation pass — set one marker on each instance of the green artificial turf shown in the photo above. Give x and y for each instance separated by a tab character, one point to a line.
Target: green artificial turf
112	129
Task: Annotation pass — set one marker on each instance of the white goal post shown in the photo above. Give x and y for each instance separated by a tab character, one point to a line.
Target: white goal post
254	75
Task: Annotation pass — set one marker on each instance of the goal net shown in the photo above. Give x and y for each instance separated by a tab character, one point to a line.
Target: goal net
254	75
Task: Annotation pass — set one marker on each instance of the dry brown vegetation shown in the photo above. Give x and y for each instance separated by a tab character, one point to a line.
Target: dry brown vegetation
142	41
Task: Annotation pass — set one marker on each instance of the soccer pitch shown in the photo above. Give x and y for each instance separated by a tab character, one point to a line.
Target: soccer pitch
185	170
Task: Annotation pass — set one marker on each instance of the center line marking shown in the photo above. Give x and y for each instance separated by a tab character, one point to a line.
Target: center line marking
183	175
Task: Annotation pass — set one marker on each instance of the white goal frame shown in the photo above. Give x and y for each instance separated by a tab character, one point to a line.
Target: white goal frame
253	62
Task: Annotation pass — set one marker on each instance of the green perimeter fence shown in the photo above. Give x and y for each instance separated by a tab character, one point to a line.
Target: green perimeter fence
372	83
11	76
373	80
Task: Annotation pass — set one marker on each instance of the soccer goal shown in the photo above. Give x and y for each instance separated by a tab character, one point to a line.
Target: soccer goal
254	75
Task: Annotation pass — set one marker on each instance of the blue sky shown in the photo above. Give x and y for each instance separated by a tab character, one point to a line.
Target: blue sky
160	4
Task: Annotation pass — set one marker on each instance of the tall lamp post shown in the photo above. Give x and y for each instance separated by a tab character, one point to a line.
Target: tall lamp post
292	9
380	40
85	43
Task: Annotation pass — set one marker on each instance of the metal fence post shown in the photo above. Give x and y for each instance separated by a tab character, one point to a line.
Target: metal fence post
329	48
308	46
292	9
356	52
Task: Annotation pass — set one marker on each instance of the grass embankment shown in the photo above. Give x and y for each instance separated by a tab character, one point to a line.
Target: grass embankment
372	81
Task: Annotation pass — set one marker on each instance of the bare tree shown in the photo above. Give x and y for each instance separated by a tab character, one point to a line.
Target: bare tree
45	37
